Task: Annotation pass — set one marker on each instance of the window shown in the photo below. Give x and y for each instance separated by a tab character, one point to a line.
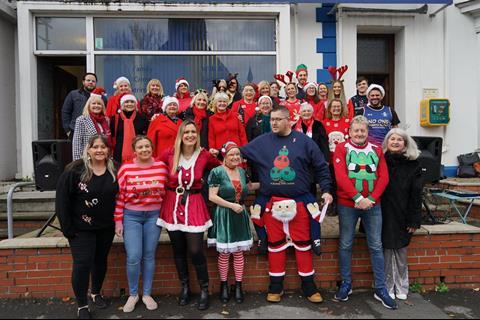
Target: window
60	33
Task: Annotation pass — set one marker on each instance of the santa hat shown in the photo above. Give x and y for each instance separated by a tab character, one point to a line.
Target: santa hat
120	80
305	106
227	147
168	100
180	81
280	200
378	87
99	92
310	84
127	97
265	97
301	67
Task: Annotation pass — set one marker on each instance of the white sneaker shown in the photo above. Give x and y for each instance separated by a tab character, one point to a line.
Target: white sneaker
130	304
392	295
149	303
401	296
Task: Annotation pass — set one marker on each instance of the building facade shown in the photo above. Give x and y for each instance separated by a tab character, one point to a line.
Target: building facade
414	49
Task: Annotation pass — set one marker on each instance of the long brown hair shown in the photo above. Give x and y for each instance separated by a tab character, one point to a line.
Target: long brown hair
329	109
177	147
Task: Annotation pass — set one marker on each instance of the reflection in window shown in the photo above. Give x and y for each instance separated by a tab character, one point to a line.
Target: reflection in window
198	70
184	34
60	33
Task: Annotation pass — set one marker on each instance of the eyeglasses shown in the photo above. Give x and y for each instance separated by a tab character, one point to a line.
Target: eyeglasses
277	119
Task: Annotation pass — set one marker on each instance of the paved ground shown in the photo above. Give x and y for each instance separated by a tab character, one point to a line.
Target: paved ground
456	304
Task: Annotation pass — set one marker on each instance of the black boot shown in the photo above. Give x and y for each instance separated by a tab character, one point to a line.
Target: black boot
203	303
224	294
239	292
184	296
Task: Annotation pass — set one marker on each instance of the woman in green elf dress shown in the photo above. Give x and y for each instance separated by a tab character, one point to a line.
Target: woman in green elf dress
230	232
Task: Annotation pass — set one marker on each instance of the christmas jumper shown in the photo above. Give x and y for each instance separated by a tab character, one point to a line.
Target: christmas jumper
360	172
141	187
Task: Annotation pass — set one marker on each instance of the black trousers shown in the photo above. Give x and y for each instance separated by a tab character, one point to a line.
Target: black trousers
90	252
191	243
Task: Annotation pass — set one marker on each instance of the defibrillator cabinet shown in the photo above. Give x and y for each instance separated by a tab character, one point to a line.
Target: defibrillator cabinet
434	112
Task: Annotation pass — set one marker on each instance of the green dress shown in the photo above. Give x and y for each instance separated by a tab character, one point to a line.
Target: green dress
230	231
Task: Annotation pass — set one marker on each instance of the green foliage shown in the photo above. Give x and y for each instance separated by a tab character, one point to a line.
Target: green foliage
441	287
416	288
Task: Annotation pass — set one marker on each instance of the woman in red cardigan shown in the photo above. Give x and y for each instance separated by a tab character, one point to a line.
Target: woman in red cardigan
163	129
246	107
224	125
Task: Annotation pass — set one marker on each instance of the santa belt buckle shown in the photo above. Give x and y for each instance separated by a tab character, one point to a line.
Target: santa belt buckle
288	239
180	190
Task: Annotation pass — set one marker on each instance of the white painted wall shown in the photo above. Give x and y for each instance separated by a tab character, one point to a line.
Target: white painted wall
8	159
430	52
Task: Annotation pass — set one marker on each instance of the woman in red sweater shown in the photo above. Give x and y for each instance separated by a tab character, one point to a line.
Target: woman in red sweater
246	107
311	96
224	125
336	124
163	129
292	102
142	187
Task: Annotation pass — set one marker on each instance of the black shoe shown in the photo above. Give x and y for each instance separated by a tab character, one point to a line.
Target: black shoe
84	313
239	298
224	294
184	296
203	303
98	301
262	247
317	247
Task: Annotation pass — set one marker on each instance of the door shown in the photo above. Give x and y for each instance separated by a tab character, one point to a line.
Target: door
375	61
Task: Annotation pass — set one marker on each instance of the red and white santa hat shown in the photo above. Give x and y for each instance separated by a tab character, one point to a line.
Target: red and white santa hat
180	81
265	97
127	97
168	100
98	92
280	200
120	80
310	84
378	87
229	145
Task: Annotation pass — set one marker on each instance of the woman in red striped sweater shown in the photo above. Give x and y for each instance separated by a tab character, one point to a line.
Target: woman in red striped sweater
142	187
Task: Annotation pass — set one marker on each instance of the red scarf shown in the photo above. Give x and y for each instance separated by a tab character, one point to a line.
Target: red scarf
128	136
199	115
308	123
101	124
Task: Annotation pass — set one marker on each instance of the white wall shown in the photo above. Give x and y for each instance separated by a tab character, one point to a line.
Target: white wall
8	160
430	52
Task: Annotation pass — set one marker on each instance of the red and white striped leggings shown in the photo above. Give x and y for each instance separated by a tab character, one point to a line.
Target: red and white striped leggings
238	264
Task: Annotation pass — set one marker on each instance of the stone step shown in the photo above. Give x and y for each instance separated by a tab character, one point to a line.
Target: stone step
27	216
30	201
18	232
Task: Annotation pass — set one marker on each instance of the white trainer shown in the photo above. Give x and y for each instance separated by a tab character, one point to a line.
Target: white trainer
130	304
149	303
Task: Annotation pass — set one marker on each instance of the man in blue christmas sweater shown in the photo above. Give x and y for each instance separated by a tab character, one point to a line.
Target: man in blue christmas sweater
285	160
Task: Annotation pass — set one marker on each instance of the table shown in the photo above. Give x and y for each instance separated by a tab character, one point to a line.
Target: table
453	200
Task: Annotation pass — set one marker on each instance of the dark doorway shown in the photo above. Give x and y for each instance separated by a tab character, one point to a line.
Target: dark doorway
376	62
56	77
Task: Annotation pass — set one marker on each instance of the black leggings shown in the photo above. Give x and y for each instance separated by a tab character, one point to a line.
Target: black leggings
191	243
90	252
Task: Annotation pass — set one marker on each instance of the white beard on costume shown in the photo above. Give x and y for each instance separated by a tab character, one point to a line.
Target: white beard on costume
284	210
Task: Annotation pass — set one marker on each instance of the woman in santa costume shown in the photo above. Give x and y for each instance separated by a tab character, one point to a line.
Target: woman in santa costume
184	213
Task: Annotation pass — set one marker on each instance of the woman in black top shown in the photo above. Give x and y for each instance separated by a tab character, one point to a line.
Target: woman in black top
85	202
401	208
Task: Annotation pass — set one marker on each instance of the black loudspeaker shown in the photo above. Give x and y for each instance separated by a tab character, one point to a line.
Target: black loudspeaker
430	157
49	160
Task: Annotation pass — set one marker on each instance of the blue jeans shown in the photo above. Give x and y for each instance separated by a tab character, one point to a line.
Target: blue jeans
140	234
372	221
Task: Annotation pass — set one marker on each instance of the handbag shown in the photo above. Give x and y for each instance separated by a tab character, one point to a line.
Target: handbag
468	159
467	171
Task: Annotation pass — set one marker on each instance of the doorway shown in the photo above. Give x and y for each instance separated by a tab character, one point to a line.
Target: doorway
56	77
376	62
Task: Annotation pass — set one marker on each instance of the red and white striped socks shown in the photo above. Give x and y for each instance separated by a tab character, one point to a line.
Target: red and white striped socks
238	265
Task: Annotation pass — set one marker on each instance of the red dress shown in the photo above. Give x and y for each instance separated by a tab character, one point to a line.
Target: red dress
192	215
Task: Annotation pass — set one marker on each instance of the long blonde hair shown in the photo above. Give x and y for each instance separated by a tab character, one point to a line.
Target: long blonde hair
344	113
331	94
93	97
177	147
87	161
155	81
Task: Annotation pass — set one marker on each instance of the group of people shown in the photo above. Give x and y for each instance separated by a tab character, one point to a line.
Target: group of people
143	166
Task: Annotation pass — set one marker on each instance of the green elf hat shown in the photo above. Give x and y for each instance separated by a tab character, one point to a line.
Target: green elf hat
301	67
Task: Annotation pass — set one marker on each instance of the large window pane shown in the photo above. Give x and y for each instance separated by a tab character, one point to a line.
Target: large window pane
372	55
60	33
184	34
198	70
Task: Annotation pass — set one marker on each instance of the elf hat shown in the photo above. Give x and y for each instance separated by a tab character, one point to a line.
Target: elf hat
180	81
227	147
301	67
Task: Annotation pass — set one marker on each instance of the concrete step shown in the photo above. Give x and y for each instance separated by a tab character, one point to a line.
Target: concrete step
30	201
27	216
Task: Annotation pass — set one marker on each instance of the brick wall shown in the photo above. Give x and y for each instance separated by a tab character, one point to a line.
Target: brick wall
453	258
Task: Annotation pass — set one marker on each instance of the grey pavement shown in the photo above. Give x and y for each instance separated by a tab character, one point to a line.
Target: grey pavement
458	304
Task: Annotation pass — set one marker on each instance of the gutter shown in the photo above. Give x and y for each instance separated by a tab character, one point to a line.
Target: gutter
420	10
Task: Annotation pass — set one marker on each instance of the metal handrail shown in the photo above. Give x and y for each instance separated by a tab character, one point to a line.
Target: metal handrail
10	205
